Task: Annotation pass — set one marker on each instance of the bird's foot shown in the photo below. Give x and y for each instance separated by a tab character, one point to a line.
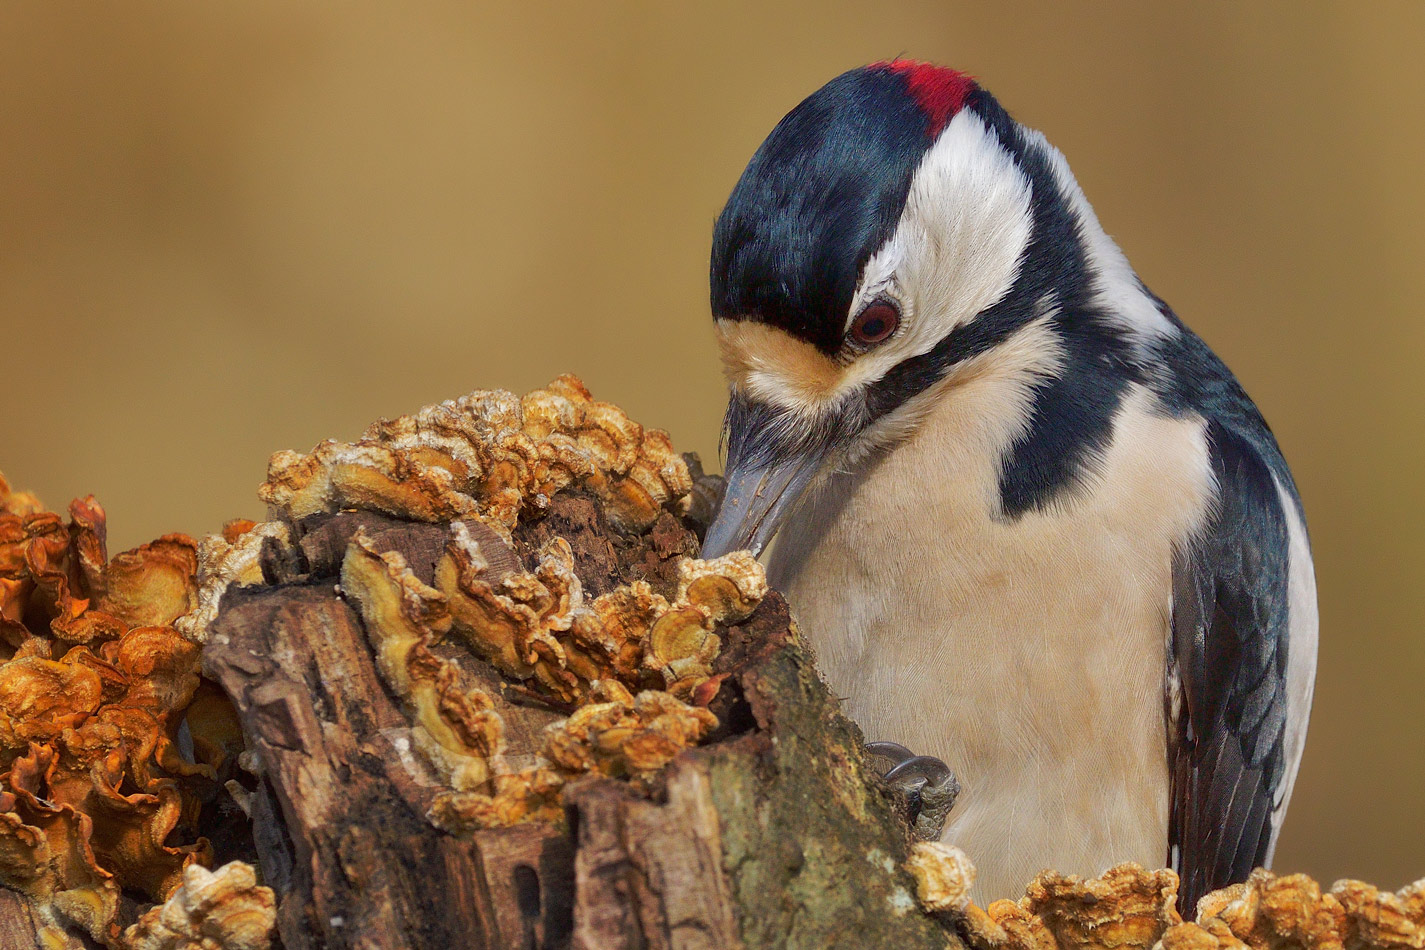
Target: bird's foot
927	784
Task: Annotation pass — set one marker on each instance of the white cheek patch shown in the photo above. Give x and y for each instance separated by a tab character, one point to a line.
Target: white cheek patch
958	246
956	251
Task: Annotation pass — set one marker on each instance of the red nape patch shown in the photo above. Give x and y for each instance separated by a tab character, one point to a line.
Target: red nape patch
940	92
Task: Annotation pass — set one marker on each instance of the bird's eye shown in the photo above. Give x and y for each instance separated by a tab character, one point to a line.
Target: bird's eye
875	324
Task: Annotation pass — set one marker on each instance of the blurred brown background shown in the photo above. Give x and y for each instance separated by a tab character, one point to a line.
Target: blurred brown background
227	229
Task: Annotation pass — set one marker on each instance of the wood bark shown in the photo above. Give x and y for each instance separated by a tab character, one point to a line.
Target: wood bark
19	926
773	835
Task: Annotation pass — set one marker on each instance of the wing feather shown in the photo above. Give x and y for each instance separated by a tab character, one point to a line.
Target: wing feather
1228	654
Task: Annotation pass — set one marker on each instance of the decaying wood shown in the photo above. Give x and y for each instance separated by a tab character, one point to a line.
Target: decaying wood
19	926
728	805
650	874
359	860
772	837
356	860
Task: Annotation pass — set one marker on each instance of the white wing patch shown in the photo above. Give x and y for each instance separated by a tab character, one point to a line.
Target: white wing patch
1302	635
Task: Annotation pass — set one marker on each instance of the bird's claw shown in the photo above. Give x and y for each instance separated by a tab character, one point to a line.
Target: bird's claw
926	782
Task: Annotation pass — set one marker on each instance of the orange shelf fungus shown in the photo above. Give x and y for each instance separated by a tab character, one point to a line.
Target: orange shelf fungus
211	909
96	799
489	455
523	572
625	661
232	557
1130	908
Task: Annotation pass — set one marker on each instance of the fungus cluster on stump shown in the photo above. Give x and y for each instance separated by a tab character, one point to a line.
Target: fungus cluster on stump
471	686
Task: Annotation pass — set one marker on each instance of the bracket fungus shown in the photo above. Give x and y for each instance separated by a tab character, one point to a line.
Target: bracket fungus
490	455
1130	908
624	662
98	800
224	909
232	557
472	685
943	875
521	576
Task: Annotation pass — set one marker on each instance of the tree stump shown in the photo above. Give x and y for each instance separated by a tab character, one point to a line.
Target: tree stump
418	720
773	835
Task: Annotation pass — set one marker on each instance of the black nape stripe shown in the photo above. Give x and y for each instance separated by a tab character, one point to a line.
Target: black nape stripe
1071	416
1197	381
1071	424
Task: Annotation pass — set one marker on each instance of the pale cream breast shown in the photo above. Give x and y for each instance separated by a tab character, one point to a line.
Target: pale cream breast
1027	653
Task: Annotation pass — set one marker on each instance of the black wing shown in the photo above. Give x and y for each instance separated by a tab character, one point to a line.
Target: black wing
1227	692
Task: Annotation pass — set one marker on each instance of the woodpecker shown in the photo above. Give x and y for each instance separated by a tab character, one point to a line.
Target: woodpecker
1031	524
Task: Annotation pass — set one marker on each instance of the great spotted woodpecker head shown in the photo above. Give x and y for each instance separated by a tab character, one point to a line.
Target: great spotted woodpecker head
892	230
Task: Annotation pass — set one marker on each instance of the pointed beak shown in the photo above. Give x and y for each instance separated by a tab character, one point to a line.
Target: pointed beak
763	484
757	500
